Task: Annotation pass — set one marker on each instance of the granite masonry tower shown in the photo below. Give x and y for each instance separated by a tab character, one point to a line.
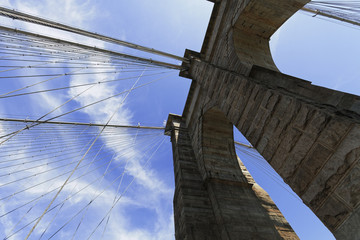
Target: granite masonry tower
310	135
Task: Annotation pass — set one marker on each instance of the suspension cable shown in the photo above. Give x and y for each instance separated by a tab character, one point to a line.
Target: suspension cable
44	22
83	46
344	11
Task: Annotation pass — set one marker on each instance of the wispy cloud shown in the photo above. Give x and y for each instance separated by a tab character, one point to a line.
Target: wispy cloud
152	193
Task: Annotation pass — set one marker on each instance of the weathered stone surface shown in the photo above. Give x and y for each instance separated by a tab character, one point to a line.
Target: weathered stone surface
295	157
286	145
193	213
336	169
317	157
309	134
349	189
350	226
299	138
334	132
218	192
333	212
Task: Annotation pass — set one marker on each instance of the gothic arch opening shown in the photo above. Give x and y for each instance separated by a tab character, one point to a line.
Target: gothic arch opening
231	185
254	26
304	222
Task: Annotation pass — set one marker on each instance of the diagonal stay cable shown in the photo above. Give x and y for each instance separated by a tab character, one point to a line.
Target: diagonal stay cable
16	146
40	140
36	199
15	149
125	190
62	74
24	215
265	168
35	124
79	85
8	236
48	180
43	182
99	194
62	205
77	109
42	172
118	188
94	197
71	195
344	11
21	67
59	160
75	168
43	81
82	209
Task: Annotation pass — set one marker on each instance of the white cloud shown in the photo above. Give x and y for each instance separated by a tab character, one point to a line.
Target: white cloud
151	192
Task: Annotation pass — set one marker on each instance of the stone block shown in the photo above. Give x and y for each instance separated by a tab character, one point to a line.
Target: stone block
355	107
317	123
284	107
256	129
296	156
346	102
333	213
334	132
349	189
270	100
316	158
336	168
286	145
300	181
349	229
303	116
249	102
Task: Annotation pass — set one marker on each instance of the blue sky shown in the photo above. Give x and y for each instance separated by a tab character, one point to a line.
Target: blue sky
316	50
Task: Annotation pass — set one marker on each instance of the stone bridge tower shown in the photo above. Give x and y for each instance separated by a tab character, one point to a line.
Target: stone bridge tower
309	134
